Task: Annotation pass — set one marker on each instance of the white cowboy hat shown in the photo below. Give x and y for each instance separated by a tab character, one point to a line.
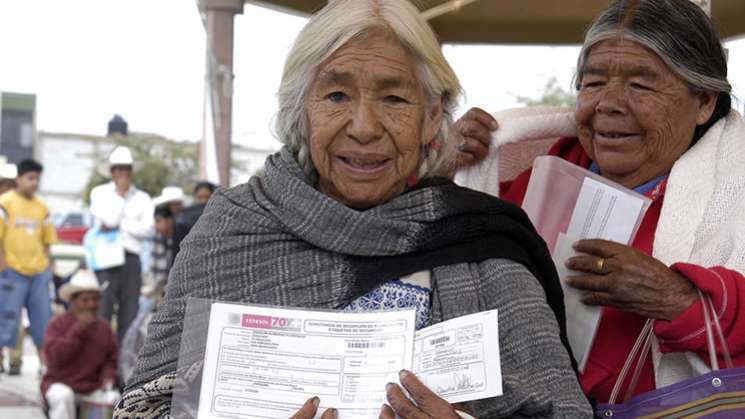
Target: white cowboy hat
8	171
169	194
121	156
83	280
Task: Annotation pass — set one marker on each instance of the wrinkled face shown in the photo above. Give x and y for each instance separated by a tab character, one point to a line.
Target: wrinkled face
86	301
635	116
28	183
122	176
368	120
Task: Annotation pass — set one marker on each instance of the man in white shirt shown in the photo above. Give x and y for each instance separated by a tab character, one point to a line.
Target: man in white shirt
119	205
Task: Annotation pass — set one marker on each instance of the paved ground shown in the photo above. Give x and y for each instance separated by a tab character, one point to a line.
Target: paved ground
19	394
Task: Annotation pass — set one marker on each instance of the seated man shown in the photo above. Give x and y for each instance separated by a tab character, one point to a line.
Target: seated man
80	349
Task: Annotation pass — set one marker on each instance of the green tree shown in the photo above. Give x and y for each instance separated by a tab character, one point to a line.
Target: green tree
553	95
159	162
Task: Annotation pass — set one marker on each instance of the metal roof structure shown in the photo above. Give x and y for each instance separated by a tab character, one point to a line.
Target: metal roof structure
521	21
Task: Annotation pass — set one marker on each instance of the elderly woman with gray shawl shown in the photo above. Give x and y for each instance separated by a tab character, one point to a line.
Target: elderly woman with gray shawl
653	114
349	215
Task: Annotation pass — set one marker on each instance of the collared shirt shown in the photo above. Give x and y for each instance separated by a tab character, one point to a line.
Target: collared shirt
131	214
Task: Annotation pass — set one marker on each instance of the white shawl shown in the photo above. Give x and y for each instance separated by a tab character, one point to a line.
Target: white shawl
702	218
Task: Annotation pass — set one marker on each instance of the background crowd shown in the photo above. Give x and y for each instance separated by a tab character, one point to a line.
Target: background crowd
84	352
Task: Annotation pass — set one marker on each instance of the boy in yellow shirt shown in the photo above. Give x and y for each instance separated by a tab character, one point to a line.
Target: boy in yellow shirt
26	231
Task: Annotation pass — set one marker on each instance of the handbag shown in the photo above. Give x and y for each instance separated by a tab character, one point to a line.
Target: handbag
103	249
717	394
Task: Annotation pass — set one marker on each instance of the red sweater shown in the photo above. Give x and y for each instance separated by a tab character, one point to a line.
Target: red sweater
619	330
79	359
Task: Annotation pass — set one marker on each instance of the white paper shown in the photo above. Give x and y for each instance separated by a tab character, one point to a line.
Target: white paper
266	362
459	359
604	212
601	212
582	320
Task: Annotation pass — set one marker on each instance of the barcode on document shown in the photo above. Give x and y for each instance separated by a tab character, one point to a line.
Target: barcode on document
439	340
365	345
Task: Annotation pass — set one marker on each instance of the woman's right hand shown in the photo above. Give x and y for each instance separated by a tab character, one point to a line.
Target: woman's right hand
309	409
472	135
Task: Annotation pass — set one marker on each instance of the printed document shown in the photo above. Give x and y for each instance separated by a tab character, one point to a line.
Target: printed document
459	359
601	212
604	212
264	362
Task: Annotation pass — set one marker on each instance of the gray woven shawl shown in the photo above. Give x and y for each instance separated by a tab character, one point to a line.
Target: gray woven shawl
277	240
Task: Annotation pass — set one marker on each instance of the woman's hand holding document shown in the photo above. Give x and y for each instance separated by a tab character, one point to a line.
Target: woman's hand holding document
603	211
271	362
423	402
629	279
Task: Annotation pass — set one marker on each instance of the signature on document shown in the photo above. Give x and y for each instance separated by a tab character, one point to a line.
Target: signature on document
460	383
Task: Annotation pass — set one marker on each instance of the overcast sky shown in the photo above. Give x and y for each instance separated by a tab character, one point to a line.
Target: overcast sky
144	59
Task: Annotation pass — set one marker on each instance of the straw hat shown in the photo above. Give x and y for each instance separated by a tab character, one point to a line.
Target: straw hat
121	156
83	280
169	194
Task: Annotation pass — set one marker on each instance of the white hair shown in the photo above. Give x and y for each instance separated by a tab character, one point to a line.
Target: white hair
678	31
681	35
330	29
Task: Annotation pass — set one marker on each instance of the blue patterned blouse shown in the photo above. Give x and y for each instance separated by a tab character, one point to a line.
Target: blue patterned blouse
411	291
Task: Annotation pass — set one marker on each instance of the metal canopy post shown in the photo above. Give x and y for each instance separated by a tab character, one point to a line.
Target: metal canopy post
218	18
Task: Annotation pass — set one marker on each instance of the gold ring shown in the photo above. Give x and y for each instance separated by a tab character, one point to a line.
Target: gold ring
599	265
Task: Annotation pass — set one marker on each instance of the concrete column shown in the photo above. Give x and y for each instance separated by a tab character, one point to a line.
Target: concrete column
218	18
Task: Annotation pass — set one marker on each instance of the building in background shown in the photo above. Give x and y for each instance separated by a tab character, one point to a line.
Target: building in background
68	160
17	125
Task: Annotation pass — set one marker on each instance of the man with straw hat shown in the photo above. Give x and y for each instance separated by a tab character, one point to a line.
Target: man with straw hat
118	206
81	351
173	197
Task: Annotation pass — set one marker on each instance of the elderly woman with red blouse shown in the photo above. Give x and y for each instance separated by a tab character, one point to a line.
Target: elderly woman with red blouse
654	114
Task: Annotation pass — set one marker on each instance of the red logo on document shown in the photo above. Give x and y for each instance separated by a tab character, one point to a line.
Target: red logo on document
256	322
